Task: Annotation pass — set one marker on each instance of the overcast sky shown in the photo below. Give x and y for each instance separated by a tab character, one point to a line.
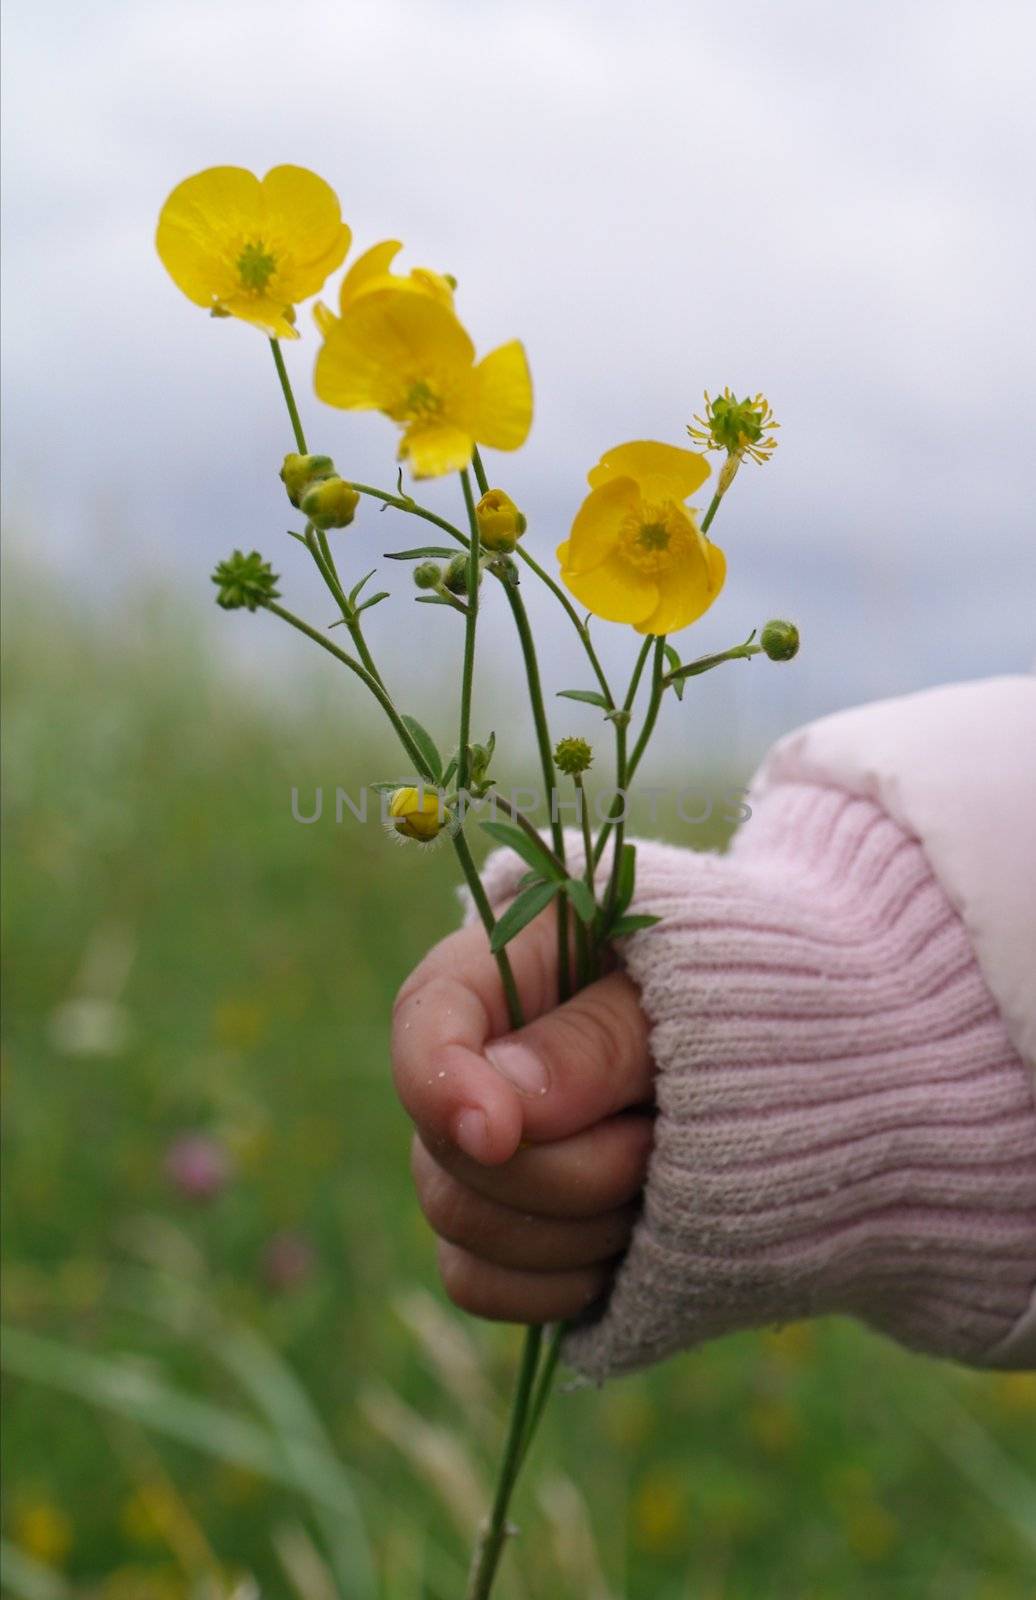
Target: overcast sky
832	204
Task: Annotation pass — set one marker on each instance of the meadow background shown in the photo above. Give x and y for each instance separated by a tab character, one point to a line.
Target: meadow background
265	1379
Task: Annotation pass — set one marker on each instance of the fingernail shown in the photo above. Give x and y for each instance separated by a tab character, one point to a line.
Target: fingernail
519	1064
471	1133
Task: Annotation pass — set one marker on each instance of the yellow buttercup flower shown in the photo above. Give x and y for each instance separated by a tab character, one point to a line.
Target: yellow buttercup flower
636	553
418	813
407	355
252	248
373	271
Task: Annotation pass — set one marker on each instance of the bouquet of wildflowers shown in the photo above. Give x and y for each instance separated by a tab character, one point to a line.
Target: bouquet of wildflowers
636	554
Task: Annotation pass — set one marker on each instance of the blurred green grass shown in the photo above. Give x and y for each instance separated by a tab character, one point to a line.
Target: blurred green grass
181	957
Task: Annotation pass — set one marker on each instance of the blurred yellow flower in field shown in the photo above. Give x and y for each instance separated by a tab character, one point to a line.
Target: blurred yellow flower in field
636	553
252	248
373	270
658	1512
42	1530
405	354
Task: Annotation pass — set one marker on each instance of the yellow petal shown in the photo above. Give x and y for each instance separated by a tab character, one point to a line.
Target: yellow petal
324	318
664	471
686	591
197	226
386	344
435	448
301	222
269	315
615	590
595	531
502	398
372	265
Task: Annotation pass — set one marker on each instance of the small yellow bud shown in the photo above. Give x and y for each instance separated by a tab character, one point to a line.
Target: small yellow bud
572	756
299	472
500	523
331	503
418	814
780	640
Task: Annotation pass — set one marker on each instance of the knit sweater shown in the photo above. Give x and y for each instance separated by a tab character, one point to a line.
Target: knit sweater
845	1120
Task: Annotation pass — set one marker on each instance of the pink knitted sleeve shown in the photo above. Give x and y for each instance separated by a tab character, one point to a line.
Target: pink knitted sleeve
843	1124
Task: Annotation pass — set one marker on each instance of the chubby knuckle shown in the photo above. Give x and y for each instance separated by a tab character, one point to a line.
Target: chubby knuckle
446	1206
458	1279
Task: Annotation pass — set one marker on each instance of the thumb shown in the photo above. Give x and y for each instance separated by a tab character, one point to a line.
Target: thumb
584	1061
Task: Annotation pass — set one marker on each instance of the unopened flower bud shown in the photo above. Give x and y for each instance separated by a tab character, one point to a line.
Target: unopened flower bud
331	503
572	756
427	575
455	578
299	472
418	814
500	523
247	581
780	640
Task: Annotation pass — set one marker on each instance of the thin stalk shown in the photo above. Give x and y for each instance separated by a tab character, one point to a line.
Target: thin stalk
289	398
491	1542
470	625
581	629
586	944
539	717
522	821
706	521
404	503
515	1014
320	550
376	687
480	472
616	816
544	1383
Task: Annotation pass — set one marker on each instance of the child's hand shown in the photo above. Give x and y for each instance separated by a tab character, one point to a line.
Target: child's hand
531	1147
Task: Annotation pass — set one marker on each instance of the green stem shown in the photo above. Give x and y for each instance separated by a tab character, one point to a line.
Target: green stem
480	472
539	717
320	550
491	1542
706	521
544	1383
616	816
586	947
374	684
402	503
515	1014
522	821
470	624
289	398
574	617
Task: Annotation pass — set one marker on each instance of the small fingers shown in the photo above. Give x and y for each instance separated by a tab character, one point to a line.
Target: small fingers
582	1176
505	1294
506	1237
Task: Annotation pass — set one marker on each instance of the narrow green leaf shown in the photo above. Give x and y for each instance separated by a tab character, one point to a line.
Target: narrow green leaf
419	552
627	877
518	915
673	658
374	600
529	877
355	590
592	697
437	600
426	744
625	925
537	855
583	902
450	770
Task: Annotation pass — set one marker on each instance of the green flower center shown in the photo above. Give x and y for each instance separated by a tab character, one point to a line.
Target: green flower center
256	266
653	537
422	401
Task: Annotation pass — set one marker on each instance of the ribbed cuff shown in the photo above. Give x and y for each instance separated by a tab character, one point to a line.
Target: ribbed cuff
843	1124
